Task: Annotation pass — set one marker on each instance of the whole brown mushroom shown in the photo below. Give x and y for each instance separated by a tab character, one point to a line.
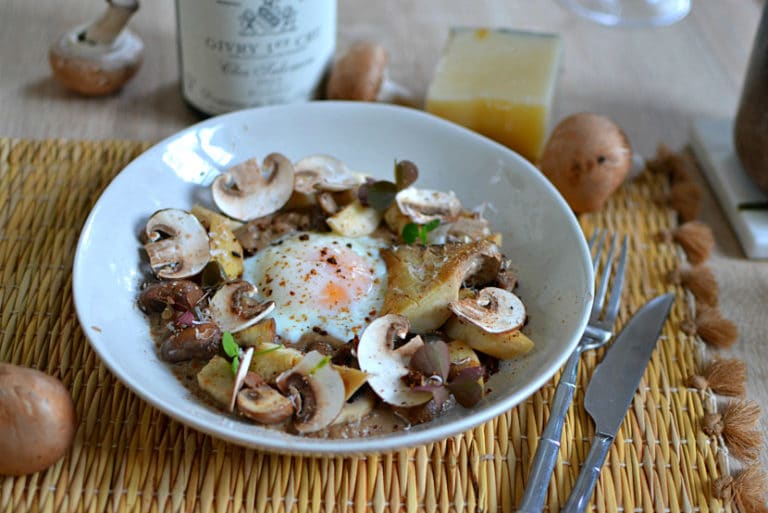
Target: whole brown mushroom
587	157
37	420
98	59
360	74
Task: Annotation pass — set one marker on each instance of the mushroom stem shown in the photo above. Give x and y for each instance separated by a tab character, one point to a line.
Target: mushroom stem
106	29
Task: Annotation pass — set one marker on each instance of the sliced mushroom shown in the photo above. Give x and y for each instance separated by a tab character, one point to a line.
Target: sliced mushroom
264	404
199	341
324	173
235	306
387	366
242	372
177	244
245	192
178	294
494	310
317	392
425	205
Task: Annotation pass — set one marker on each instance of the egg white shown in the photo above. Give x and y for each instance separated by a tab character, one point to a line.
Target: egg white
320	283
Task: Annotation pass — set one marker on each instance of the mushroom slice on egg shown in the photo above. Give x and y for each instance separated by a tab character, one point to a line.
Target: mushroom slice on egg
317	392
324	173
425	205
177	244
235	306
385	365
494	310
245	192
199	341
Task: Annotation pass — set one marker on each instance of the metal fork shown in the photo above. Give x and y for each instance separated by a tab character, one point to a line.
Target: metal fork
598	332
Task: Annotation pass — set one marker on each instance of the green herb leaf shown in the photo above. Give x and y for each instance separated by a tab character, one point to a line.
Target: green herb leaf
406	174
322	363
430	226
432	359
411	233
229	345
425	229
235	364
381	194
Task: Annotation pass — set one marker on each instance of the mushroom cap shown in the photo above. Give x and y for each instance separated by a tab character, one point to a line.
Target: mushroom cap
95	70
358	74
245	192
177	244
235	306
385	365
494	310
317	388
425	205
324	173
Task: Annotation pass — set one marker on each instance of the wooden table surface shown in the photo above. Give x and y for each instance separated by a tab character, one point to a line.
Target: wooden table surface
651	81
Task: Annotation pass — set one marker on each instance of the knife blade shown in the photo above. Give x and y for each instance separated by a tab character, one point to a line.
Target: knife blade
612	388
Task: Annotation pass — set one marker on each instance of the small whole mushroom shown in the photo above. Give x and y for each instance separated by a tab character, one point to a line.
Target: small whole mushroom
100	58
37	420
587	157
360	74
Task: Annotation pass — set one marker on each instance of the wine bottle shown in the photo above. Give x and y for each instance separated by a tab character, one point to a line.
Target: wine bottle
235	54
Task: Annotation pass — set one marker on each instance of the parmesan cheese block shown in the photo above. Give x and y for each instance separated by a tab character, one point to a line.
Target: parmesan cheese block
499	83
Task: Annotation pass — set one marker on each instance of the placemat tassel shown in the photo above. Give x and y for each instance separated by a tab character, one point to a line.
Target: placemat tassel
746	489
694	237
677	166
685	199
712	327
726	377
700	280
736	424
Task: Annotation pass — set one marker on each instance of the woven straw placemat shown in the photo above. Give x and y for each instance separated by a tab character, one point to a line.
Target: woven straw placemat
129	457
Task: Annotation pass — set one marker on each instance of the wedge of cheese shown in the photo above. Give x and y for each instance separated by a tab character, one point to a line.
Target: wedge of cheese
499	83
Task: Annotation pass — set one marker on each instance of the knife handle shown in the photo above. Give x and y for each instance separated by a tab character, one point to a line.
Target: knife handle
549	445
585	483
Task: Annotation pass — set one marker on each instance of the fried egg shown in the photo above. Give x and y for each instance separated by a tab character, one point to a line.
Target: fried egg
320	283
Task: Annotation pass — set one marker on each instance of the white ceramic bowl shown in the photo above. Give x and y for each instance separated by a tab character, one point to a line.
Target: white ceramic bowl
541	235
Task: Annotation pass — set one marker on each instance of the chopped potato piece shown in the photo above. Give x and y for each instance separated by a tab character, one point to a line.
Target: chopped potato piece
206	217
225	249
260	333
353	379
355	220
217	380
462	356
270	360
500	345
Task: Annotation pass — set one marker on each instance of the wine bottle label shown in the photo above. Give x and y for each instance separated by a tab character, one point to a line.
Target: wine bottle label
248	53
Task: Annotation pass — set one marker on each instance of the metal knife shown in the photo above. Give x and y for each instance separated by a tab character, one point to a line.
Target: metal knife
612	388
